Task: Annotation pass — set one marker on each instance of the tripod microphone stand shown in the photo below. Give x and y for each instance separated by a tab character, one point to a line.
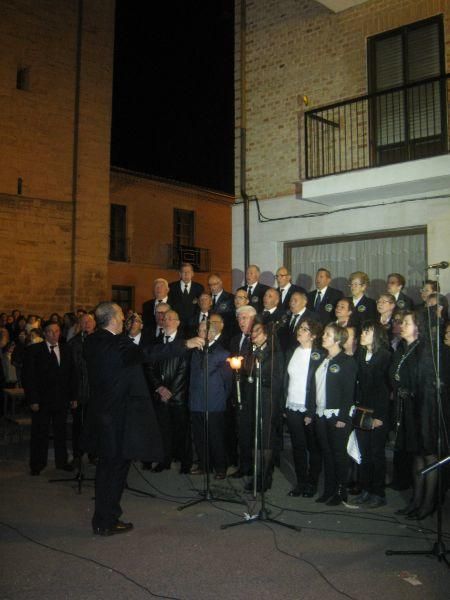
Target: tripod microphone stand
206	494
263	513
438	550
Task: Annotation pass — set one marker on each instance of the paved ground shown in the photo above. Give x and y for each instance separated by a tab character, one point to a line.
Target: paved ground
47	551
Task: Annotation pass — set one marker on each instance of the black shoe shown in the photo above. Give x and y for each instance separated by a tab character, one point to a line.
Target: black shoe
309	491
376	502
220	475
185	469
66	467
35	472
240	473
159	468
323	497
295	492
118	527
339	497
363	498
407	510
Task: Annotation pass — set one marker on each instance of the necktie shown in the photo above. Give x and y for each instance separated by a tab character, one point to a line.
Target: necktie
249	291
167	338
266	314
160	336
203	317
293	322
186	291
53	354
214	300
318	300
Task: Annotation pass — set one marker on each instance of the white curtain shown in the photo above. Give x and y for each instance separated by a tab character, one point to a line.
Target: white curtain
405	254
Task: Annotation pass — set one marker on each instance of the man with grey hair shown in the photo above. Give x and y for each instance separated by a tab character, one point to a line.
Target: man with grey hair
254	289
160	296
240	434
121	424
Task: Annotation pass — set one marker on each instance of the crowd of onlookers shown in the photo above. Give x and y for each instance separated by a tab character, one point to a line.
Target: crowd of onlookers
312	345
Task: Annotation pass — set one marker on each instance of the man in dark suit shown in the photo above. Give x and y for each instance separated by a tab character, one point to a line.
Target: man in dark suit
395	284
121	424
324	298
271	312
168	381
242	416
50	388
160	296
298	313
184	294
134	328
222	302
202	312
286	288
255	290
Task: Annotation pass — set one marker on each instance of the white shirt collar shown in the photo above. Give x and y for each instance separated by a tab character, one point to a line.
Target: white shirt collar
137	338
183	285
323	291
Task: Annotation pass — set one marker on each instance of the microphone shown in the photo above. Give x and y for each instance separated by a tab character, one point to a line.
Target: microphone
440	265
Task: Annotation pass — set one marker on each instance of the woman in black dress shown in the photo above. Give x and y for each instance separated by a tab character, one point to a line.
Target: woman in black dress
372	392
265	352
412	378
301	365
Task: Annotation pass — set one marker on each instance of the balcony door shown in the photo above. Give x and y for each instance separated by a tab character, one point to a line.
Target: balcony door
408	111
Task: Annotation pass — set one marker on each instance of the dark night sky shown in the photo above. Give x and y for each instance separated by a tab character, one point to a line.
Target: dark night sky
173	90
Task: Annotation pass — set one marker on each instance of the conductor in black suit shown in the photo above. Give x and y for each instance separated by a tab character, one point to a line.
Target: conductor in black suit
324	298
254	289
286	288
50	388
121	424
184	294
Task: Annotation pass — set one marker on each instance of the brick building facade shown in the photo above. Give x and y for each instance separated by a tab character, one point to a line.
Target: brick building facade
56	184
291	57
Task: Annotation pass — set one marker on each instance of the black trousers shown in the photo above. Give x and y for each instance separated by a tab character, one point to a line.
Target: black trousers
216	437
174	425
305	449
40	426
372	470
110	480
245	418
333	443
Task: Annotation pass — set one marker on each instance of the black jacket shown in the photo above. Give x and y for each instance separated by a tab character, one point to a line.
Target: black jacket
373	389
44	382
327	305
366	310
340	385
285	304
172	373
256	298
184	305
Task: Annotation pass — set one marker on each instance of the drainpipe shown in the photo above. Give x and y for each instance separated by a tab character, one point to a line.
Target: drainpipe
76	126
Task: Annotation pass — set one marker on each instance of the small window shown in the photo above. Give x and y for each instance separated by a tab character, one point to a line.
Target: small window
118	233
23	78
183	227
123	296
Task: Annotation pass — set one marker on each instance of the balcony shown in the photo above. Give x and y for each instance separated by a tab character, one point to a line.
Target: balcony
360	145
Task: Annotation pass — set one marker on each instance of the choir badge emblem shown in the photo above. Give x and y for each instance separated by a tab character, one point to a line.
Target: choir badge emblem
335	369
255	299
315	356
223	306
361	308
194	301
328	307
401	304
397	377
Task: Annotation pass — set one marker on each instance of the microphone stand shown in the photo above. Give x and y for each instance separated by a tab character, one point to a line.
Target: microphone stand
79	477
438	550
206	495
263	513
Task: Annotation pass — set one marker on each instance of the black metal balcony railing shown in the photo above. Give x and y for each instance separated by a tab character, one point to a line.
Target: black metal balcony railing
198	257
396	125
